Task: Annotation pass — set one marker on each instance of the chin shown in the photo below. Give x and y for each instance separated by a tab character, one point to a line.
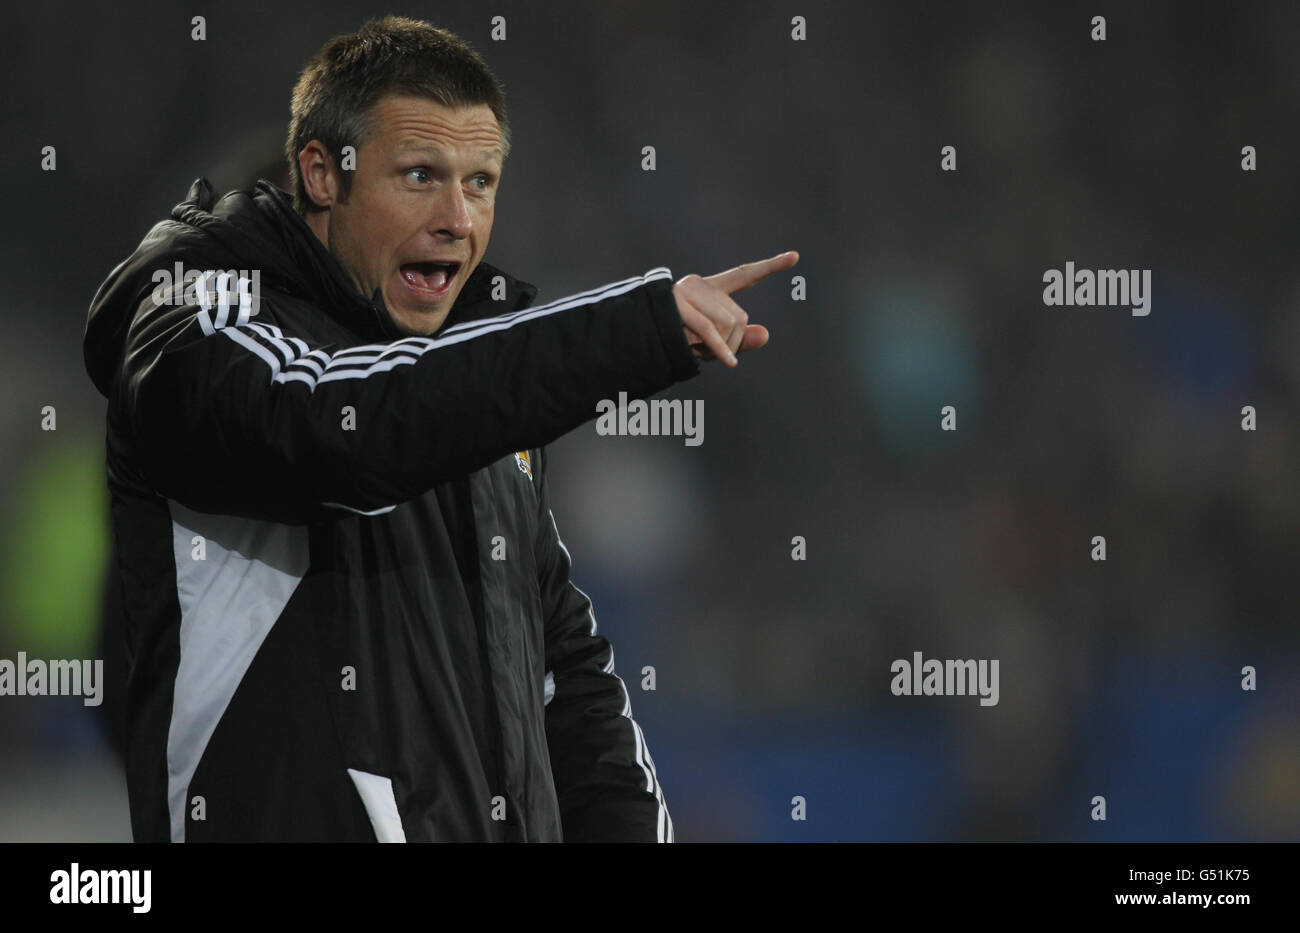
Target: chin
419	323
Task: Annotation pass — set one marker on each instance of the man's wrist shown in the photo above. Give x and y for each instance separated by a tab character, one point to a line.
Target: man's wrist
668	321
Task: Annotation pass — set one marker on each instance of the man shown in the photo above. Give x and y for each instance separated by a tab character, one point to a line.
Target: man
348	607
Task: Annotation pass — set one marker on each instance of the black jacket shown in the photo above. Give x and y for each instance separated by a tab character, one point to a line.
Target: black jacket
348	608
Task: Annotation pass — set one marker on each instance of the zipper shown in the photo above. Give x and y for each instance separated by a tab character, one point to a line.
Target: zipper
485	664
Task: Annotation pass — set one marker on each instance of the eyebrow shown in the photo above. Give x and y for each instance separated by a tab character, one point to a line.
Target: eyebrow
416	146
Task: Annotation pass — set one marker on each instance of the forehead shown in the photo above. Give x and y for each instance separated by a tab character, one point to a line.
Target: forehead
400	122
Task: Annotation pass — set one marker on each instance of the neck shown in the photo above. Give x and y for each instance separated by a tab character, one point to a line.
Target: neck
319	222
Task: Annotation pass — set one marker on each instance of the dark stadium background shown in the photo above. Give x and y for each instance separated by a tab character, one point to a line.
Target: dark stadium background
1119	679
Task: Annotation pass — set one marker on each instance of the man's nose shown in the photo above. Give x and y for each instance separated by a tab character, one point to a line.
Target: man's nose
452	216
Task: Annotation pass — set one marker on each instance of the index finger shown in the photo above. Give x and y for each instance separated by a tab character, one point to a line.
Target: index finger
751	273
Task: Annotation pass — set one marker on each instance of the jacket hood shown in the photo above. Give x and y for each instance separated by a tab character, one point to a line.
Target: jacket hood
258	229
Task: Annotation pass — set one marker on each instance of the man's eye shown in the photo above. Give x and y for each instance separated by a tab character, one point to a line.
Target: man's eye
484	180
419	175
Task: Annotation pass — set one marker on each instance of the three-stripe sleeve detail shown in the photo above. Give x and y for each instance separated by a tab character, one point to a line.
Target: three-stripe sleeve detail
290	359
643	759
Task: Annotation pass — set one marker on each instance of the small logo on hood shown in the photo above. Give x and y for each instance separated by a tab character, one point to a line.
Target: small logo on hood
208	288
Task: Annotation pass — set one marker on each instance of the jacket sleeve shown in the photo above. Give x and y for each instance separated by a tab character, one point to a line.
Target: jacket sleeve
247	417
604	777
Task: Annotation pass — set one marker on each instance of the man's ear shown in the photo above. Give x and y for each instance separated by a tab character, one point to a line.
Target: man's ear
319	175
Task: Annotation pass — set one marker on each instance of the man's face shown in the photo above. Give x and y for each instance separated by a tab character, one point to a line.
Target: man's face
423	195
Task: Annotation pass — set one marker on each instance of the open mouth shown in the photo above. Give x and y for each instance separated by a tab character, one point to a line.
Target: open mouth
429	279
